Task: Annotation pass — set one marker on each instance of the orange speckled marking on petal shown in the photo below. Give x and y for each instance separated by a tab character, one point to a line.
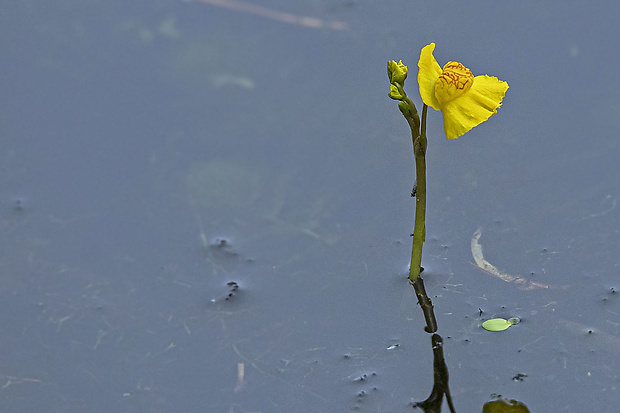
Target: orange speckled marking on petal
455	79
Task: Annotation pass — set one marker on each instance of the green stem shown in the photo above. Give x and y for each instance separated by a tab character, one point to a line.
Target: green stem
411	115
419	229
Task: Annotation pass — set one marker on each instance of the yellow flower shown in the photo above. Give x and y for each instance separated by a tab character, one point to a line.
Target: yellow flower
465	101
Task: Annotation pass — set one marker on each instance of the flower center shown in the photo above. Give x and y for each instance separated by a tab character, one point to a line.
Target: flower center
454	81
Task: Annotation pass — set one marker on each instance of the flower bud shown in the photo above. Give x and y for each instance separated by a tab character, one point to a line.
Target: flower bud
397	72
395	93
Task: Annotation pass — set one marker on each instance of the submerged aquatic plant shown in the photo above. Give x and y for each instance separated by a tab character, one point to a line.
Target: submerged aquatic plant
464	100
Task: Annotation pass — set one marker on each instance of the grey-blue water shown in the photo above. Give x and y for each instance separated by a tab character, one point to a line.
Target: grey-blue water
206	209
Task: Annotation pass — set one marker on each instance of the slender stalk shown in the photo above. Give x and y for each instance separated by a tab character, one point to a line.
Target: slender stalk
419	229
425	304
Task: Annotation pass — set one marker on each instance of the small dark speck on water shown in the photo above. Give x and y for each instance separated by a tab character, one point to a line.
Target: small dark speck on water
18	205
233	284
233	288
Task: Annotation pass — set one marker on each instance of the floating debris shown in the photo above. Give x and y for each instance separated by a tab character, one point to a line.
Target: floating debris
246	7
484	265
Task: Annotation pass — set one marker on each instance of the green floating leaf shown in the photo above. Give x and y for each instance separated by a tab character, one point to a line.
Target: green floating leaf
497	324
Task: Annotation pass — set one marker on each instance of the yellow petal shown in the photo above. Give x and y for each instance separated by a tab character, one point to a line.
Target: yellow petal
474	107
428	73
455	80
